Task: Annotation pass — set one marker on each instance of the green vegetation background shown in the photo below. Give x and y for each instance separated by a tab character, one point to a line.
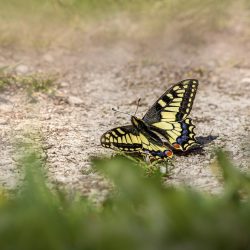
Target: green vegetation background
140	212
69	23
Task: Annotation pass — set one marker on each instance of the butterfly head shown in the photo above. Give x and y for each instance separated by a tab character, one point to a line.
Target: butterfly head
138	123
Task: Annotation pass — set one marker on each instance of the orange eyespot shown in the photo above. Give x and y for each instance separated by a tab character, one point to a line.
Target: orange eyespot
176	146
169	153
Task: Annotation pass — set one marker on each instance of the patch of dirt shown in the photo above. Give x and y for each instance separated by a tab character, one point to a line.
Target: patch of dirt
95	81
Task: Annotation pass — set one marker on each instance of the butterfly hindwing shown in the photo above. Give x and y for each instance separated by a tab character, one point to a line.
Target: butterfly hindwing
168	115
180	135
175	104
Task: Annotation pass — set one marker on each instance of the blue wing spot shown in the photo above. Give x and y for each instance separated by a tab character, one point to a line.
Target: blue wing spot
184	125
182	139
179	140
185	137
185	132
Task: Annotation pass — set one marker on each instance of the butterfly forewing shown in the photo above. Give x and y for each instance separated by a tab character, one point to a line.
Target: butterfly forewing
129	139
168	115
175	104
124	138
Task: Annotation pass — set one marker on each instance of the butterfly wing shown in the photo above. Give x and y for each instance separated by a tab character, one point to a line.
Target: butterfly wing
180	135
124	138
153	145
129	139
168	115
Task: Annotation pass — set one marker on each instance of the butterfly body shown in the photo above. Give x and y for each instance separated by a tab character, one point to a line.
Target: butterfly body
166	119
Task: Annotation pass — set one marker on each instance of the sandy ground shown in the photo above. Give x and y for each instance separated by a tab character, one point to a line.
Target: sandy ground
95	80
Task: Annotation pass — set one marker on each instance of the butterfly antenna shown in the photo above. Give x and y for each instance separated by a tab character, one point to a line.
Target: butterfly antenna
118	111
138	104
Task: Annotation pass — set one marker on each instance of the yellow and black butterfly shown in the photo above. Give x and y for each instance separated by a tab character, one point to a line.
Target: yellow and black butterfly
167	119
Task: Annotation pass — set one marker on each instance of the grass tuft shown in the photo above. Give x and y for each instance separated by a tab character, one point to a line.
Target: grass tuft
36	82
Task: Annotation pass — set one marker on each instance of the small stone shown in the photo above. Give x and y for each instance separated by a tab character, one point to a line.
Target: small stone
48	58
246	80
6	107
73	100
19	127
45	117
3	121
22	69
163	170
214	79
64	84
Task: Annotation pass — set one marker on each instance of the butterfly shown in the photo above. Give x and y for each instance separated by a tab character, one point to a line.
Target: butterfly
165	127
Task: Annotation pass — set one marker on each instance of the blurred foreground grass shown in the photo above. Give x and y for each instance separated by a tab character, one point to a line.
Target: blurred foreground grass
73	23
140	213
